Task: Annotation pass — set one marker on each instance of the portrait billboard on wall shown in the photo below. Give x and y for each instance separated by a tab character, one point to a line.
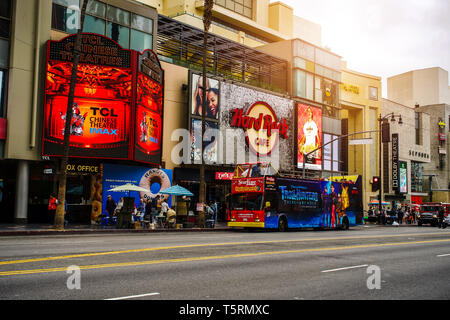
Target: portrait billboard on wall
403	177
309	133
212	96
210	146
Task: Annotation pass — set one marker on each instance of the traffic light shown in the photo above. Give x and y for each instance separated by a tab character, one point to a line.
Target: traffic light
375	184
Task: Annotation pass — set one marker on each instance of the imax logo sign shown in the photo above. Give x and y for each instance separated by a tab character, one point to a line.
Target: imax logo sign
103	131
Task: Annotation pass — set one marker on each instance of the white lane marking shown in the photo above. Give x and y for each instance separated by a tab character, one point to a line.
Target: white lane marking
443	255
136	296
346	268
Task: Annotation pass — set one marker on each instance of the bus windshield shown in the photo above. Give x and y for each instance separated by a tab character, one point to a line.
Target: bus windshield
430	208
246	201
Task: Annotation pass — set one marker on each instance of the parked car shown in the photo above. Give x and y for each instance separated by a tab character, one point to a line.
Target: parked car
429	214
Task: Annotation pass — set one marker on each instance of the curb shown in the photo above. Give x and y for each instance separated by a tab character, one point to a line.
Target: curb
102	231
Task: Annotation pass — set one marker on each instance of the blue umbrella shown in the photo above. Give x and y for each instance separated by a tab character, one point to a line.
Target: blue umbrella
177	191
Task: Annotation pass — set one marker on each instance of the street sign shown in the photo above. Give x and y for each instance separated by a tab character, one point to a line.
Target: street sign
360	141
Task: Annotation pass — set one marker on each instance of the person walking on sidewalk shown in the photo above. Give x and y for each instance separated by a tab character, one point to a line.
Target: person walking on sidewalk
441	218
52	203
110	207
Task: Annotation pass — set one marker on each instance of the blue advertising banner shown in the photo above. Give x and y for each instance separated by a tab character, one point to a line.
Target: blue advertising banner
153	179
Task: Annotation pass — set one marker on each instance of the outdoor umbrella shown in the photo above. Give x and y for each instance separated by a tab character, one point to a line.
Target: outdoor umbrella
177	191
375	202
129	187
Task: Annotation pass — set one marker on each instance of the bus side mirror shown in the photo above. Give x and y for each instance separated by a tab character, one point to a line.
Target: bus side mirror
267	204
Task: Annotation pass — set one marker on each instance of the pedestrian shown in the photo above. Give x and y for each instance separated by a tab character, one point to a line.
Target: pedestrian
215	209
148	210
164	207
52	203
441	217
110	207
66	222
400	216
119	205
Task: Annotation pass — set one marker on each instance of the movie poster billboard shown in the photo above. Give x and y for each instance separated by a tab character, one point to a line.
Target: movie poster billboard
210	146
212	97
153	179
100	125
149	109
403	177
309	133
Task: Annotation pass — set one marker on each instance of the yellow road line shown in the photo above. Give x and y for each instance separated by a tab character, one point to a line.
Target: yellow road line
94	254
238	255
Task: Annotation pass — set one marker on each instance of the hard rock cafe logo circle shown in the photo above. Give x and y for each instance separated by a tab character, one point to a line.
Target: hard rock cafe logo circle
262	128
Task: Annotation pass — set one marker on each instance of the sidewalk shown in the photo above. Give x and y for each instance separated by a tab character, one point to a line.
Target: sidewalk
48	229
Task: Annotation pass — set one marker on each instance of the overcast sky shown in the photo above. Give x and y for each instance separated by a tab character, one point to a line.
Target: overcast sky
382	37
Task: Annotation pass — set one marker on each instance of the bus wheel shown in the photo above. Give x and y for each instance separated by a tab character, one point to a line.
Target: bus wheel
345	224
282	224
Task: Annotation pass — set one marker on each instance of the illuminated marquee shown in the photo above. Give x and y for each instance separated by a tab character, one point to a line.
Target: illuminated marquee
113	101
149	109
261	126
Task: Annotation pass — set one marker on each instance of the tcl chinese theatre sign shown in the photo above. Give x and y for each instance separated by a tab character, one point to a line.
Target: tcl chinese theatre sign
110	91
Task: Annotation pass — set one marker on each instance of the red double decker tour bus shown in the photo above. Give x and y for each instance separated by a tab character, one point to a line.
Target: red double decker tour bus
263	198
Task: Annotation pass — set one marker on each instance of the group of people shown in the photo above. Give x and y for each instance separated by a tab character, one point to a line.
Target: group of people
405	214
154	210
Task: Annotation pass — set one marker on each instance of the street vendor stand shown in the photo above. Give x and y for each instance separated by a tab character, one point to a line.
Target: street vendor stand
181	203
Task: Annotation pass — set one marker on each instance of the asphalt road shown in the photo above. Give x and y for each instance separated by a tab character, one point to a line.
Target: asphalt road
362	263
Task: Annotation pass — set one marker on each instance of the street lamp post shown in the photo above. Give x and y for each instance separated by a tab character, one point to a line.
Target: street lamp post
381	119
305	155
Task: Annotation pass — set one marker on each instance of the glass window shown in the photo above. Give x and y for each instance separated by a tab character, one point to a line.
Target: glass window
331	153
68	3
300	83
318	89
119	34
96	8
309	86
417	127
327	59
141	41
64	19
243	7
4	28
142	23
4	53
118	15
303	50
373	93
2	92
94	25
416	176
5	8
105	20
299	63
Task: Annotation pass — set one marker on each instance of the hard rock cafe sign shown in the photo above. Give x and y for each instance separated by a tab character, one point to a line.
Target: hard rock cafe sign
262	128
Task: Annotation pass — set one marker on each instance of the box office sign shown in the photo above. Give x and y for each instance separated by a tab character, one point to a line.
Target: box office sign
395	163
82	169
109	94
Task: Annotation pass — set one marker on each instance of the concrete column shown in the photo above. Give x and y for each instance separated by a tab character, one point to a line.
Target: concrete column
21	201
